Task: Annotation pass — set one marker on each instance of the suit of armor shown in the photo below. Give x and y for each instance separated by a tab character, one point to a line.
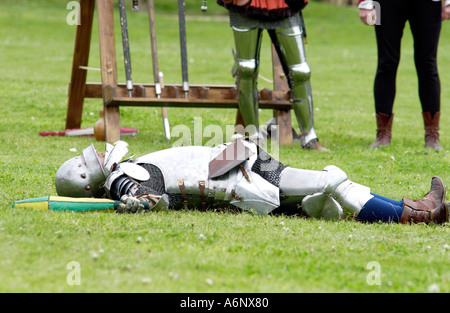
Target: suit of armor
237	174
287	37
256	182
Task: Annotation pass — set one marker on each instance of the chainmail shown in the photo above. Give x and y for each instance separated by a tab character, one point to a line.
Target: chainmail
125	185
268	168
155	185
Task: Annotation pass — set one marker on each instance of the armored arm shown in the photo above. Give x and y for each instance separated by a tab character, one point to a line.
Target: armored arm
133	183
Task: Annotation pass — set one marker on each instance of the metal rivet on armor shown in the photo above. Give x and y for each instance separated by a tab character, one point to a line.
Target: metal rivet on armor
83	175
88	187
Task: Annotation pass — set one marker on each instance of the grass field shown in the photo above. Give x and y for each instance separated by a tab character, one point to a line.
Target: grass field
213	252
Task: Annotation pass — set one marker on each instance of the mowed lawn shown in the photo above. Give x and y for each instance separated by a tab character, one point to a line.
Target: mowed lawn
192	251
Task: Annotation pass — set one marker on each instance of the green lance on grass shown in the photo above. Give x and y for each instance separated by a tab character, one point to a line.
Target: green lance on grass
56	203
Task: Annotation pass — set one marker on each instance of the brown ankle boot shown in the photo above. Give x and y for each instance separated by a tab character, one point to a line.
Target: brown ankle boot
438	215
431	200
384	128
432	130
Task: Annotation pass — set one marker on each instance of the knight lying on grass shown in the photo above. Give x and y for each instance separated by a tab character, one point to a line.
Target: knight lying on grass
238	174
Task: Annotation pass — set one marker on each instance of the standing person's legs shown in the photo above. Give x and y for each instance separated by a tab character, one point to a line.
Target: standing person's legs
426	22
291	51
248	45
388	35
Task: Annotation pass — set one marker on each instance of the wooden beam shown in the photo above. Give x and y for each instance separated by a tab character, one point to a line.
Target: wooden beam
191	103
282	115
80	58
214	96
108	66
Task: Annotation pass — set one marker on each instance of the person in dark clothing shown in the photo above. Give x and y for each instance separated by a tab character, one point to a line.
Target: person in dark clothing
425	19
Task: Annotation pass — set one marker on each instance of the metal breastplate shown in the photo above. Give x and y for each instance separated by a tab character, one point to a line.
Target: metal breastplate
185	169
186	172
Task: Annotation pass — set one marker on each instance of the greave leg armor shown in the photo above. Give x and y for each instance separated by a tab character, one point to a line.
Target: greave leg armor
248	46
289	45
326	194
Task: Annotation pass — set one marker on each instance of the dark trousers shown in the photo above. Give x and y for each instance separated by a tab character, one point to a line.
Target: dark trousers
424	17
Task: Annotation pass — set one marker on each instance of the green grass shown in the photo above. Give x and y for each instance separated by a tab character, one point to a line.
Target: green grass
212	252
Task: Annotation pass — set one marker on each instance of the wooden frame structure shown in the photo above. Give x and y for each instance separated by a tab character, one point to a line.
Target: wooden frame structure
115	95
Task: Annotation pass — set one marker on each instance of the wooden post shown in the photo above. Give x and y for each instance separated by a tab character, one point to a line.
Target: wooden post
77	86
239	122
108	67
282	117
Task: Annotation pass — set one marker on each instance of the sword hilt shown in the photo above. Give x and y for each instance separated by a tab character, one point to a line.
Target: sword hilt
204	6
135	5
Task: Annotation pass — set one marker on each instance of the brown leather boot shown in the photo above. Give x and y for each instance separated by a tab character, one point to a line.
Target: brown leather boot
438	215
432	130
384	128
431	200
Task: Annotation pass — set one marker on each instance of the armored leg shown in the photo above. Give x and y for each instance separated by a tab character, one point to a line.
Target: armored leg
248	45
326	194
289	45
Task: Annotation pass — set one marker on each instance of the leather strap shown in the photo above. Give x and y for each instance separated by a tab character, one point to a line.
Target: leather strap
201	186
244	172
183	194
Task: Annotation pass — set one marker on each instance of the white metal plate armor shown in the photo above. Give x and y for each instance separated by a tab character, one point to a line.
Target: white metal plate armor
135	171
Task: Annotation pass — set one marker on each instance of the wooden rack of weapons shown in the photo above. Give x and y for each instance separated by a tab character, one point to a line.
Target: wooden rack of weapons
116	94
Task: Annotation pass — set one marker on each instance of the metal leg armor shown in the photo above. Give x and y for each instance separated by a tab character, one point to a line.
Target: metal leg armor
248	46
289	45
326	194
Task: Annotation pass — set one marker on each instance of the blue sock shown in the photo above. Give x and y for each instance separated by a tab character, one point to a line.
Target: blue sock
381	209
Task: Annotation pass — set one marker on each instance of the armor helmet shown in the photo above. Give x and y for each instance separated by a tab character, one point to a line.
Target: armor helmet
81	176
